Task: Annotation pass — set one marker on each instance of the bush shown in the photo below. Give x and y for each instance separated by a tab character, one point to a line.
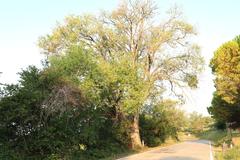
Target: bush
158	123
32	126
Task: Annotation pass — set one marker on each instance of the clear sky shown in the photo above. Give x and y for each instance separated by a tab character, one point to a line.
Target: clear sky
22	22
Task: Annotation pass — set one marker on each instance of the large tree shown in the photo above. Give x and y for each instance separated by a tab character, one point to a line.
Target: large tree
156	52
225	66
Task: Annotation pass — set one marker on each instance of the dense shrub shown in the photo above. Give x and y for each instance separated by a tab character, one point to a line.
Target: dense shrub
158	123
34	127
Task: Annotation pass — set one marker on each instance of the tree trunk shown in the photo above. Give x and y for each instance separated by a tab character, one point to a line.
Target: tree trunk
134	133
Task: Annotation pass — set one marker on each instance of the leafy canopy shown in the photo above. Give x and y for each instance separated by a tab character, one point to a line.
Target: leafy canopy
160	51
225	65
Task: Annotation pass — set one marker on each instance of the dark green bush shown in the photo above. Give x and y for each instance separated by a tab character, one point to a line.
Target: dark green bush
32	132
158	123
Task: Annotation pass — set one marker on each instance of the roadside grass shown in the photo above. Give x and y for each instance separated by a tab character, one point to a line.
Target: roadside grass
218	137
231	154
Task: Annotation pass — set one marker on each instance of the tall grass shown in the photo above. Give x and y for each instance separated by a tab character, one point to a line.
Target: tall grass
216	136
231	154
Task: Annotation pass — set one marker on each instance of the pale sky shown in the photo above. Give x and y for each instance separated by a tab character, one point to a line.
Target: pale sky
23	22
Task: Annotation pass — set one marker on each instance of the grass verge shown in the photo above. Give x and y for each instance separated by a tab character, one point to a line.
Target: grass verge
218	137
231	154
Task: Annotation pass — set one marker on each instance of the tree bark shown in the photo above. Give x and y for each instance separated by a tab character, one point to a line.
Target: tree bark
134	133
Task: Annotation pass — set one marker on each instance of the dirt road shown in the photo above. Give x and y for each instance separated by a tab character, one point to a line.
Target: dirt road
189	150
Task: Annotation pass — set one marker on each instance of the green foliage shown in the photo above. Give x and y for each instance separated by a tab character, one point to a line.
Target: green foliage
113	87
198	123
120	39
20	110
224	112
225	65
220	125
160	122
192	80
31	129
